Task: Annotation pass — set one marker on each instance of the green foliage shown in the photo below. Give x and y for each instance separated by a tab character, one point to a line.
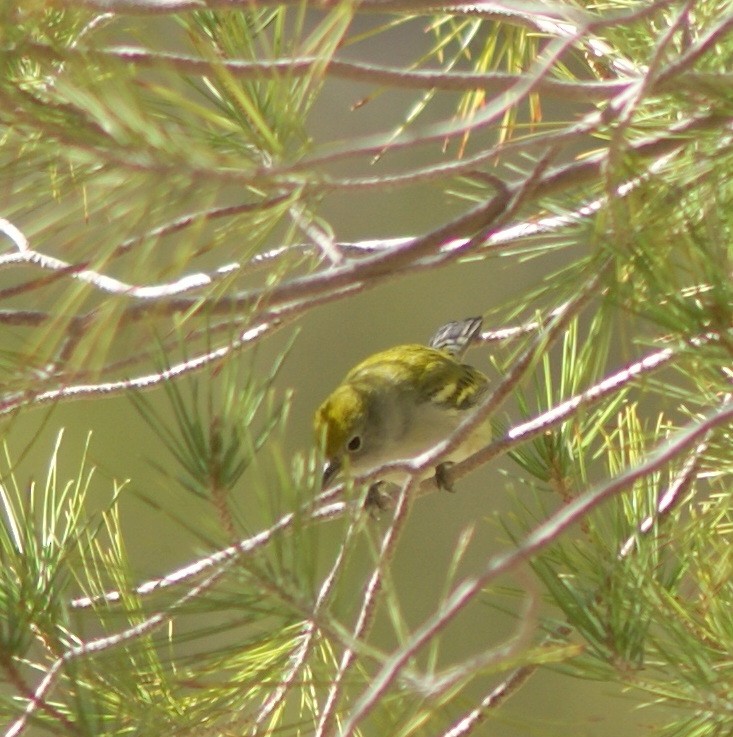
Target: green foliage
177	182
43	526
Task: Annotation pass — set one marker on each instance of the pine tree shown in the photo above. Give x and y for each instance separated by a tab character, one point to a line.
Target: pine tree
180	181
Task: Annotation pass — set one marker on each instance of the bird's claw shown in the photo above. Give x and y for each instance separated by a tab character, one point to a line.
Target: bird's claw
443	477
376	500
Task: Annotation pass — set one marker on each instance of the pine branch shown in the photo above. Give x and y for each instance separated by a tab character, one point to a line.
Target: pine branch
167	201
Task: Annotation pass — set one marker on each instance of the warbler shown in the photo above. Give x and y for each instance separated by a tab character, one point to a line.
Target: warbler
400	403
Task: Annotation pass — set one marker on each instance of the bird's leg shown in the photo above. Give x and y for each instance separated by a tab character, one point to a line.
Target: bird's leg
443	477
376	500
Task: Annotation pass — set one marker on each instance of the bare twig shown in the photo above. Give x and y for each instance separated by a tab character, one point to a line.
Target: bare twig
7	228
498	694
299	656
542	536
368	609
558	414
12	402
26	692
301	66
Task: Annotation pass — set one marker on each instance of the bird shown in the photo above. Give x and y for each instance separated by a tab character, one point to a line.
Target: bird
401	402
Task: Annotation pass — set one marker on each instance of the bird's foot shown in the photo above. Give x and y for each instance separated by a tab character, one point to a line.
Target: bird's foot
377	500
443	478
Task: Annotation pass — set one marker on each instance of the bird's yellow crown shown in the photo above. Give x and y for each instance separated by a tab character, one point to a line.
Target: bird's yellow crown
337	416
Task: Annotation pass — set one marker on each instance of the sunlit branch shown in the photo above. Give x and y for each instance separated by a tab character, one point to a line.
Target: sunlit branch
26	692
560	413
76	391
373	270
91	647
368	608
324	509
498	694
528	617
15	235
310	629
442	242
587	90
542	536
109	284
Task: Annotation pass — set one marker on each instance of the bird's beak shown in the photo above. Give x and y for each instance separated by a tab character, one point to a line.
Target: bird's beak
330	471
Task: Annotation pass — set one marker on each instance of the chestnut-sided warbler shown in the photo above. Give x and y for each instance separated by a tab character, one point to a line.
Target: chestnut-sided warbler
402	402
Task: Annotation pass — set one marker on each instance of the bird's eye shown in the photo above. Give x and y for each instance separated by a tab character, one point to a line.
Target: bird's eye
354	444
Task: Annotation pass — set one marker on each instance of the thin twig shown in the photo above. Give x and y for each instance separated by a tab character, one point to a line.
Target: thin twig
435	686
542	536
556	415
324	508
26	692
302	66
91	647
499	694
368	609
299	656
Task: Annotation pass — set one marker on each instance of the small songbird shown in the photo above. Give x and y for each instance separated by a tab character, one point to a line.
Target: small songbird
400	403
